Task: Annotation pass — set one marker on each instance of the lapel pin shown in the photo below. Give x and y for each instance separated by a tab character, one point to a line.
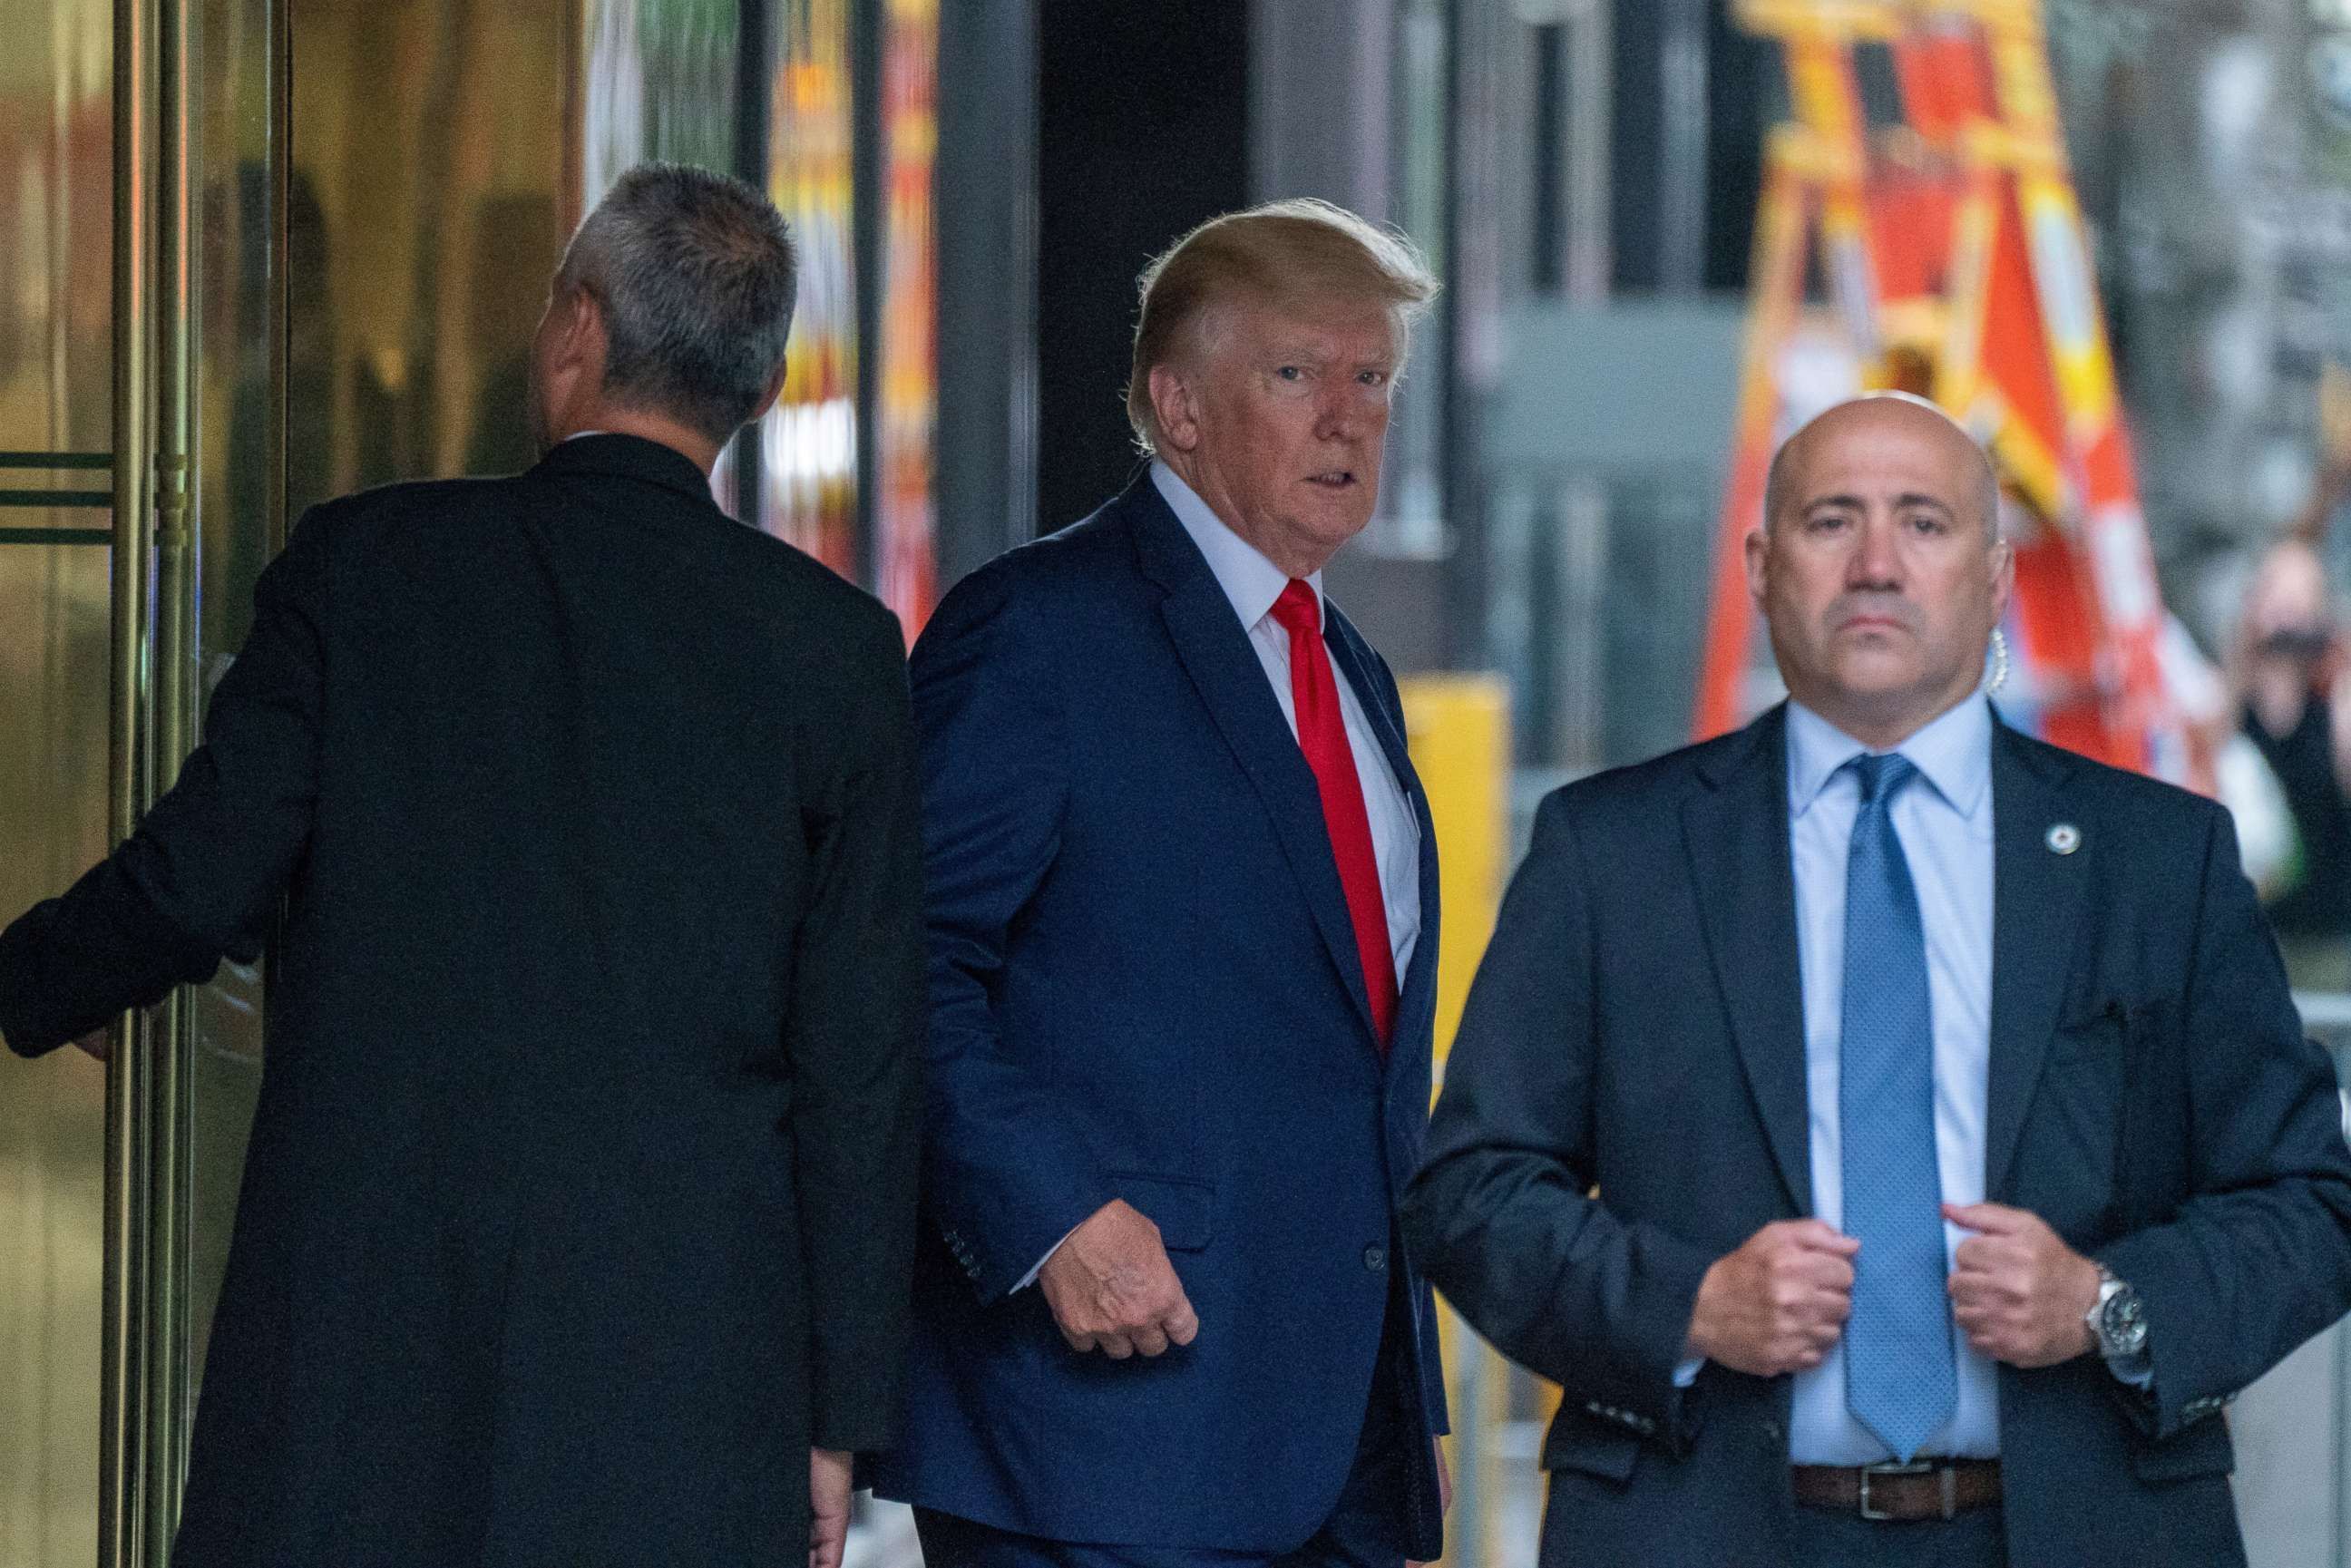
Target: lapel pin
2065	838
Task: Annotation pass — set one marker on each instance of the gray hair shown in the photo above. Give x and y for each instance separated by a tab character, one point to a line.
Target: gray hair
695	274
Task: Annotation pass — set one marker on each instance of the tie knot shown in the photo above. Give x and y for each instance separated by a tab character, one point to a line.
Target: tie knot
1298	610
1882	778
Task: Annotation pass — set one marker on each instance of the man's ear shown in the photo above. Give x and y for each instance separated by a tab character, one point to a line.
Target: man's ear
580	336
1174	408
2003	575
1758	545
767	399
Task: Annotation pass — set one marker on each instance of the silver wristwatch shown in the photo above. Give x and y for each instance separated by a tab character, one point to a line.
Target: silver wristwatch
2117	1320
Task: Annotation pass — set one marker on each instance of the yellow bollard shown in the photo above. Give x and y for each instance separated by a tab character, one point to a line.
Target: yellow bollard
1458	729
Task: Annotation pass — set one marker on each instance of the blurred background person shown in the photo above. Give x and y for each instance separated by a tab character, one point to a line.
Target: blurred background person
2288	671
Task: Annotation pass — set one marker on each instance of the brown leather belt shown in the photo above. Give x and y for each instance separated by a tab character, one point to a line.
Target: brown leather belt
1925	1489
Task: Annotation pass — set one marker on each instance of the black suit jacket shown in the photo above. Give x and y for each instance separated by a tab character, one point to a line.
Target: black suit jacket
580	1201
1626	1104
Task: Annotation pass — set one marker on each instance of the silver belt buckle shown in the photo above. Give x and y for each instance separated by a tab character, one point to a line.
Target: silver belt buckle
1915	1467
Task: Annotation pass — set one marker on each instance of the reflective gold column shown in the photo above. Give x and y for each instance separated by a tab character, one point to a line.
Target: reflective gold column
164	1250
121	1489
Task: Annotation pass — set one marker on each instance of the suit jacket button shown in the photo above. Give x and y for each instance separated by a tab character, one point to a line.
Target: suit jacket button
1375	1258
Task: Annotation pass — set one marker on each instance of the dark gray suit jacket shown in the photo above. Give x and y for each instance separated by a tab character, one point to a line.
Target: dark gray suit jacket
1626	1104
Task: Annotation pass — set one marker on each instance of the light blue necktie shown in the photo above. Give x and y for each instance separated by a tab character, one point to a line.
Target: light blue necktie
1901	1378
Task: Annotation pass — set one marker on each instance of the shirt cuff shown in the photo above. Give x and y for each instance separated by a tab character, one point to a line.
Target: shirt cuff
2138	1370
1686	1372
1030	1277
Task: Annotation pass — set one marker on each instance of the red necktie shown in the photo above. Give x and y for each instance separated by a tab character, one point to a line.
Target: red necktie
1322	736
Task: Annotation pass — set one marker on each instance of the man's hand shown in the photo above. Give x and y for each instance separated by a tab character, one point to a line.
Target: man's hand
1112	1288
2019	1291
829	1506
1779	1303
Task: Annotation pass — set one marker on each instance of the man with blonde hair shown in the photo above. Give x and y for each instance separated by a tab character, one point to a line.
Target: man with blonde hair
1181	903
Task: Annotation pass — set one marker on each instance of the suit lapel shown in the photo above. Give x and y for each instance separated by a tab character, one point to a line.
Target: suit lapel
1215	654
1350	659
2037	897
1736	831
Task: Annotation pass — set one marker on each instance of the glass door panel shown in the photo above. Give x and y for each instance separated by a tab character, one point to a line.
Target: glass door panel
55	228
238	443
53	661
434	177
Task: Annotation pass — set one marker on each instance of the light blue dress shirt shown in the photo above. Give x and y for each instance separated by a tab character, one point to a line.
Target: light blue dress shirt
1945	822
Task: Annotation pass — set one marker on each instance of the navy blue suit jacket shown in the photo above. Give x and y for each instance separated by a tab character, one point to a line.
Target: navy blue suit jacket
1625	1103
1145	985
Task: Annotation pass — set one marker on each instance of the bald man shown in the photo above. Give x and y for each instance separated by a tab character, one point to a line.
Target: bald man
1894	1135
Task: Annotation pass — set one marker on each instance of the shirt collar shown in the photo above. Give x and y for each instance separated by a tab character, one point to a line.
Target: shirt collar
1954	751
1249	580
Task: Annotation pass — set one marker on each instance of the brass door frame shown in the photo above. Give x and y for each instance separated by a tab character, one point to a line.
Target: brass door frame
146	1399
121	1439
173	694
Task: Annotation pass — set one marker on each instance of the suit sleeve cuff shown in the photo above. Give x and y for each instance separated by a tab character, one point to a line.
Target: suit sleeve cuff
2137	1371
1030	1277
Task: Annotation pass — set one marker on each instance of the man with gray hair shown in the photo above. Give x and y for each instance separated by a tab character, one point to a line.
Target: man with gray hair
577	1219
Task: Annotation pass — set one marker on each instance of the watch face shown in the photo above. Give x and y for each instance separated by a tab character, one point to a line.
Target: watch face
2122	1324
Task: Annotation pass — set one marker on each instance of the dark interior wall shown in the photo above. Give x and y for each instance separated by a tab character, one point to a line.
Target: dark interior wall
1743	94
1741	98
1636	149
984	444
1141	133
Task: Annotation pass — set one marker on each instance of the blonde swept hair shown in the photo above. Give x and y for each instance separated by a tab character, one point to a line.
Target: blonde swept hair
1287	253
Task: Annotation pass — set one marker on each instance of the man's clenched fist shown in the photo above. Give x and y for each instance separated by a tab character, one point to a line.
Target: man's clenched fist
1779	1303
1112	1288
2018	1292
